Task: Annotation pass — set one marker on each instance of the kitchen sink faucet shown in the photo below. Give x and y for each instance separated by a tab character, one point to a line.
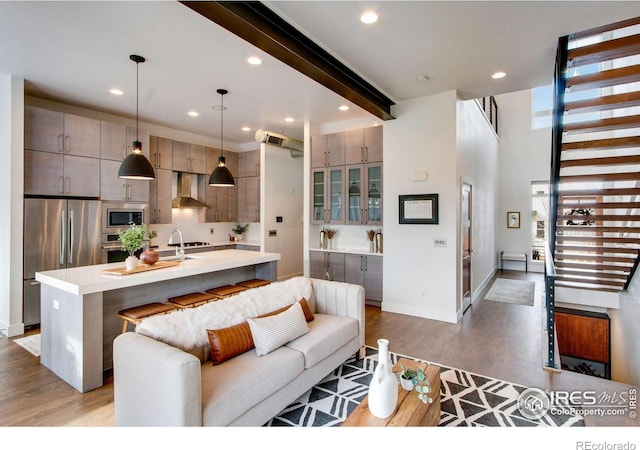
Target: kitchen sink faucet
179	250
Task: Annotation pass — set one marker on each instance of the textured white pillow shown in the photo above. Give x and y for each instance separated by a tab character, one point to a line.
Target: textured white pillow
272	332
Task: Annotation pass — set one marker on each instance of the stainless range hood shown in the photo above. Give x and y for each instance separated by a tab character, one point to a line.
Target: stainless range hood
184	198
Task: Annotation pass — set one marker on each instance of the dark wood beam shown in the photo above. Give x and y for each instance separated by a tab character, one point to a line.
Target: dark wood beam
257	24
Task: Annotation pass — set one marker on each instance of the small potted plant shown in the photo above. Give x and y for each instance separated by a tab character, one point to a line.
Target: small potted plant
239	230
411	379
132	239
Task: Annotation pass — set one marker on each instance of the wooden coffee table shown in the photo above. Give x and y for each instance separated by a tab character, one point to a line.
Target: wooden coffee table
410	412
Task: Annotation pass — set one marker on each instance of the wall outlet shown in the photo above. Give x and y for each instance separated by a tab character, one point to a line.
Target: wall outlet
210	230
56	304
273	233
439	242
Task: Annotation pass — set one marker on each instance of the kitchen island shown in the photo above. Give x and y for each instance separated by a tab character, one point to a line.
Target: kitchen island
79	305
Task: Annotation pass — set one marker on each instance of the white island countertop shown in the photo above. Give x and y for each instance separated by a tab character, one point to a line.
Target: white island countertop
92	279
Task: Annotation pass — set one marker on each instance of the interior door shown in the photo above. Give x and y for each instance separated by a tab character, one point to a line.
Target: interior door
466	246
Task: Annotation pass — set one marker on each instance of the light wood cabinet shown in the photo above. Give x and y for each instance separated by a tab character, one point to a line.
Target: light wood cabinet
364	194
328	195
248	199
118	189
160	196
48	173
363	145
53	131
321	263
161	152
116	141
189	157
365	270
231	160
328	150
249	164
222	201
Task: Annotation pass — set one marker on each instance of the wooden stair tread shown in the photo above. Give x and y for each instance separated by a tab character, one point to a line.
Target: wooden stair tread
604	51
598	192
595	250
597	229
592	266
606	161
599	239
601	144
608	124
623	176
593	273
574	257
604	28
568	284
603	78
598	205
594	281
604	103
602	217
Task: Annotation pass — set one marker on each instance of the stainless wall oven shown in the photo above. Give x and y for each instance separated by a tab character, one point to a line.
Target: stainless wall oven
116	217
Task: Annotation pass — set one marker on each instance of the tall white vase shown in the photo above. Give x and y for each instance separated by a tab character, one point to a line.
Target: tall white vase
383	390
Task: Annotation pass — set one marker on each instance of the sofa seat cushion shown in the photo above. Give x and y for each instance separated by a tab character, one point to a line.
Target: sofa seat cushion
231	388
327	334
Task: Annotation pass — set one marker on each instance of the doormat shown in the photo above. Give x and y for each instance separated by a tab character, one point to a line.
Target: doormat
30	343
467	399
518	292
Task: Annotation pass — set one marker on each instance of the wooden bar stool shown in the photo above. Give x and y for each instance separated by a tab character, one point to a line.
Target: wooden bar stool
253	283
192	300
225	291
137	313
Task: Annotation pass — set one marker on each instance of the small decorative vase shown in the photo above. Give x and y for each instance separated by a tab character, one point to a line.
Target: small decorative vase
149	256
130	263
383	389
372	247
239	238
407	385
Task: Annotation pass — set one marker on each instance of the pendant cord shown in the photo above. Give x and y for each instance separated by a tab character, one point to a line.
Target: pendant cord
221	124
137	97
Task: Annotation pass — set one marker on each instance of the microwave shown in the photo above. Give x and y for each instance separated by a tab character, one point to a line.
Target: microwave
118	216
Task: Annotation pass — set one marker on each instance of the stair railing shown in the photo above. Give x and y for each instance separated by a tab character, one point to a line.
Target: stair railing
559	83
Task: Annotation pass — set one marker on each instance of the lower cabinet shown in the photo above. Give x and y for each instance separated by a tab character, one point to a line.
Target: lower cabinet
323	263
365	270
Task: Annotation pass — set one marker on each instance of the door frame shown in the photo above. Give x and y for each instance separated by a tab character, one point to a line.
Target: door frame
466	187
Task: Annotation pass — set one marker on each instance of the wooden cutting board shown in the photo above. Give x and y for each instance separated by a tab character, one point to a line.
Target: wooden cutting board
142	268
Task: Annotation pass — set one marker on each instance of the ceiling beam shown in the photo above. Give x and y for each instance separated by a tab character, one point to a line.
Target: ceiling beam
257	24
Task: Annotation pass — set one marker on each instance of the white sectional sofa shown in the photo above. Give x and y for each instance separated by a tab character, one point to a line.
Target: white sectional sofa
166	383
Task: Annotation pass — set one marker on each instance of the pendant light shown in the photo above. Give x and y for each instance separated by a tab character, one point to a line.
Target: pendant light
221	176
136	166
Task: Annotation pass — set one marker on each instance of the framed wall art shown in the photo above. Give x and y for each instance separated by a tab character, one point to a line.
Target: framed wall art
513	219
419	208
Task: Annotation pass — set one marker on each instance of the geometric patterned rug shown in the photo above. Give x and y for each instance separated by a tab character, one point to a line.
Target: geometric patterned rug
467	399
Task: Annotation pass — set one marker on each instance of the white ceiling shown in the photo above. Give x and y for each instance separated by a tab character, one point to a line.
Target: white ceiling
74	52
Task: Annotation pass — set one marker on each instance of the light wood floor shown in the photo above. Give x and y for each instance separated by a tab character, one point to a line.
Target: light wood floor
495	339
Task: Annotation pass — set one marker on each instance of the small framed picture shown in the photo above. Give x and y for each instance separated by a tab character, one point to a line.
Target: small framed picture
513	219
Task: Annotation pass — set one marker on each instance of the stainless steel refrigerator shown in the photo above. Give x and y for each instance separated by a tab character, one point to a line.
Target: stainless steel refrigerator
58	233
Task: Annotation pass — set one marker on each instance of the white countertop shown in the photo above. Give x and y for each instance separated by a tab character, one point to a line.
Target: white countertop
346	250
92	279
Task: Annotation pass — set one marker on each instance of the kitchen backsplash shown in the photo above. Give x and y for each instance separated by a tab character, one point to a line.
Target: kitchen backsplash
186	220
347	237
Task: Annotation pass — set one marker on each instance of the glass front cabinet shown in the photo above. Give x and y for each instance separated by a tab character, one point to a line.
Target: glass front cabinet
364	194
328	194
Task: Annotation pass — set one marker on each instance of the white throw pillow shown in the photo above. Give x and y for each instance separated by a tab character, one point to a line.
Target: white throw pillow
272	332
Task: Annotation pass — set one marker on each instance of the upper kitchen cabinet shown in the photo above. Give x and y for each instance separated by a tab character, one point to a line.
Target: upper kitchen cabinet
231	160
364	194
53	131
363	145
160	196
116	141
56	174
328	150
328	195
249	164
113	188
161	152
248	199
189	157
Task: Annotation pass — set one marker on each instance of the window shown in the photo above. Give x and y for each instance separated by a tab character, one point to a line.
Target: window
539	218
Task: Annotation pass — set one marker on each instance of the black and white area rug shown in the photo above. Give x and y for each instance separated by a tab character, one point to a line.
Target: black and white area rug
467	399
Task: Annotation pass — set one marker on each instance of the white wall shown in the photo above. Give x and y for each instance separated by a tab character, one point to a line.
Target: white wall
478	149
524	157
420	279
11	203
282	191
625	330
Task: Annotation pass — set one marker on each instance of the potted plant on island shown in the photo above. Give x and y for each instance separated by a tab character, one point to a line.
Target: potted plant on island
133	239
411	379
239	230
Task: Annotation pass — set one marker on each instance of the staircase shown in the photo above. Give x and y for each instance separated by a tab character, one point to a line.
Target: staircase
595	179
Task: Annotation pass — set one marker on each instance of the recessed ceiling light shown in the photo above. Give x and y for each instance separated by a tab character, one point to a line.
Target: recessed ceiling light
288	119
498	75
246	129
422	79
116	91
193	113
369	17
343	108
254	61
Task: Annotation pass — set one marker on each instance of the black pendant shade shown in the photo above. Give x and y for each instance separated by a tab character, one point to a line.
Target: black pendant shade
221	175
136	166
